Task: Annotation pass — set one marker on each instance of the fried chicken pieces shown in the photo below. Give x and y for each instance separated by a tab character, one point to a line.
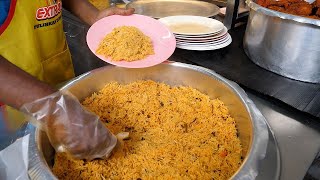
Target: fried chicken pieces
295	7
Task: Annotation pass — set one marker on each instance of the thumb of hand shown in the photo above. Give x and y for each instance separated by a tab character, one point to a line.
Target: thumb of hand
120	137
119	11
114	11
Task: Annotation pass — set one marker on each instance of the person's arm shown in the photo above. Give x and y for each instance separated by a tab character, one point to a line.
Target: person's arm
90	14
68	125
18	87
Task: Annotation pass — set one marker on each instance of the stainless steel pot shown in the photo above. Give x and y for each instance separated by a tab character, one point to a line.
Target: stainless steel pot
282	43
253	131
163	8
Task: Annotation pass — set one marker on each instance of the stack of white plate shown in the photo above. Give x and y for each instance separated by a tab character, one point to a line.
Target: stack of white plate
198	33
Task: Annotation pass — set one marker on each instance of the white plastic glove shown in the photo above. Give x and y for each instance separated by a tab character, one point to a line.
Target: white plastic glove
70	127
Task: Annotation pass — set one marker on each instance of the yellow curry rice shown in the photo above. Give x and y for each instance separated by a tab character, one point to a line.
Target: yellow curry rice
126	43
175	133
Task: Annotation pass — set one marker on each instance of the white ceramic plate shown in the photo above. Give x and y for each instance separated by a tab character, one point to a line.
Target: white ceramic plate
225	38
192	25
196	36
222	33
206	48
202	41
205	43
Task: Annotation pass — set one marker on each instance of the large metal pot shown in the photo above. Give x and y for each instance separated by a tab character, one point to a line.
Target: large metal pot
282	43
163	8
253	131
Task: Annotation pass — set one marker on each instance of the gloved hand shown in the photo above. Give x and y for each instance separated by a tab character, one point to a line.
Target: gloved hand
70	127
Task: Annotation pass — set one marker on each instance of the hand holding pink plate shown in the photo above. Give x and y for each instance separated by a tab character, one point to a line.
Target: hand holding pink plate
164	42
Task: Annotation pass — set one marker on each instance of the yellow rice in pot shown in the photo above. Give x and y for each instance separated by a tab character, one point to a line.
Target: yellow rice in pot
175	133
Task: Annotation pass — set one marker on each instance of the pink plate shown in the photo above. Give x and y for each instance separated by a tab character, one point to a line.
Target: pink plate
164	42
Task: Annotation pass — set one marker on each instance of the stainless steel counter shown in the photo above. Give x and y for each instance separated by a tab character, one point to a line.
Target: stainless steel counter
298	135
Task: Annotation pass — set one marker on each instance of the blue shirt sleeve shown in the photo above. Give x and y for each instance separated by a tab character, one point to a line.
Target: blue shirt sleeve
4	10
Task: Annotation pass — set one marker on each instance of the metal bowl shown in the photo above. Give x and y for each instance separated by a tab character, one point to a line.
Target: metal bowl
163	8
284	44
253	131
